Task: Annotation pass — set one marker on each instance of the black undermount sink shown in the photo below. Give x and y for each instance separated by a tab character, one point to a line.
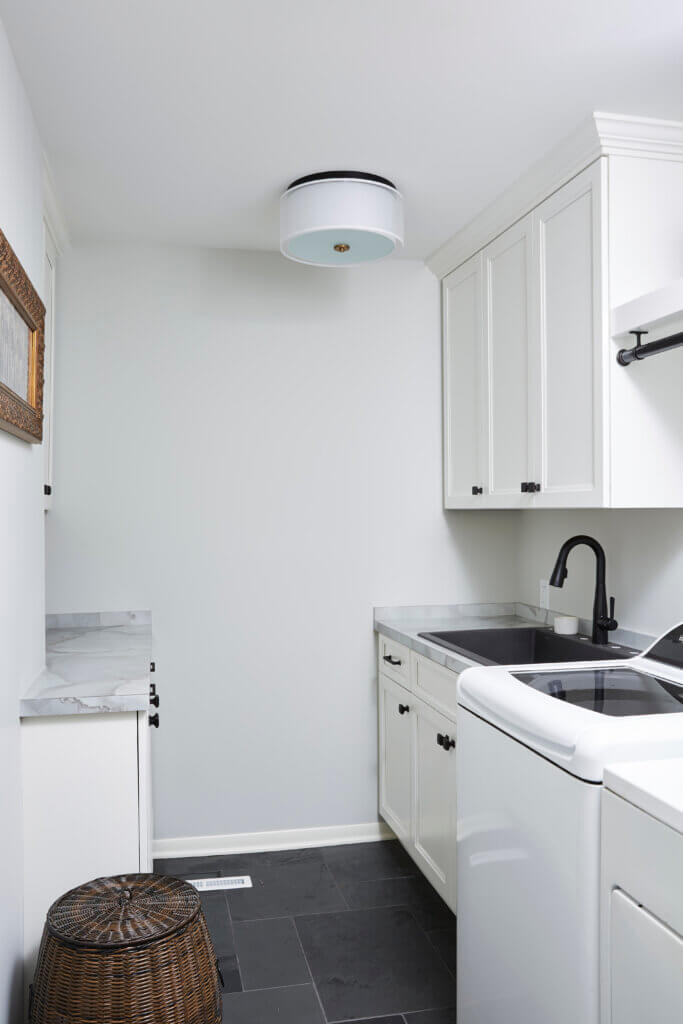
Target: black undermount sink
524	646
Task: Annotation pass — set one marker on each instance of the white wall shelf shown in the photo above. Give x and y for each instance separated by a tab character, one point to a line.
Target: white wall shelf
655	310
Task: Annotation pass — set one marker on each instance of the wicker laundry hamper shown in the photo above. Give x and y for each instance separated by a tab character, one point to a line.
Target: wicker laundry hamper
133	949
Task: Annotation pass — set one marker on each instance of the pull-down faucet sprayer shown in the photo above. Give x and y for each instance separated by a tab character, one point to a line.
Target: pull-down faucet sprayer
602	622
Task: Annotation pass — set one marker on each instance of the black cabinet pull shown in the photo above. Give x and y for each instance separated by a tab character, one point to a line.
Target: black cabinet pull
444	741
529	487
392	661
477	490
402	708
154	700
154	720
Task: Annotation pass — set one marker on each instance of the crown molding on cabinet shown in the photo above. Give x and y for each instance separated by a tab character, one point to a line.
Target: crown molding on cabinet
599	135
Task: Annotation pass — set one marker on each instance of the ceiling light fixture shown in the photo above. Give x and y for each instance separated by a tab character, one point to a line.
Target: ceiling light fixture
340	219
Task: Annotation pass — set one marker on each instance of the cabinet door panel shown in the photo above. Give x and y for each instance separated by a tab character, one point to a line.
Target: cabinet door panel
507	266
396	756
462	383
567	233
434	831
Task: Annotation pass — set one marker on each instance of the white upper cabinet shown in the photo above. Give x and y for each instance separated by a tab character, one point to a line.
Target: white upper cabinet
538	413
464	414
507	362
571	317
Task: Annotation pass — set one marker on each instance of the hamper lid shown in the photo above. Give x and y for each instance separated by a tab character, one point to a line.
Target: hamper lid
122	911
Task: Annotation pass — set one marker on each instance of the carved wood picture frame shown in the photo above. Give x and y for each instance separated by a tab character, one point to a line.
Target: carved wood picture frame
22	415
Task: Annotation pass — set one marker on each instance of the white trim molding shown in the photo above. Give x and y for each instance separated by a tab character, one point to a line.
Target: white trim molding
52	211
600	135
282	839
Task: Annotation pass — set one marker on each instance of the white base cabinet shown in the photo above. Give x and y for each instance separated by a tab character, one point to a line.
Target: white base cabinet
417	743
87	807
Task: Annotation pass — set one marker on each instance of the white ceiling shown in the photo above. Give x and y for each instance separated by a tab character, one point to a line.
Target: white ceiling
180	120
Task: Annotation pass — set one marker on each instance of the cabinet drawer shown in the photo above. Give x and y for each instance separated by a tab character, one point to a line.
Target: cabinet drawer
394	660
436	685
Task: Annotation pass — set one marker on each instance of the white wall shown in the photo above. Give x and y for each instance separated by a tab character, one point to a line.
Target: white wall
21	525
644	563
251	448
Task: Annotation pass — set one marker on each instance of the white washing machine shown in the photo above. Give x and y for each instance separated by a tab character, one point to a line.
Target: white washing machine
532	748
642	893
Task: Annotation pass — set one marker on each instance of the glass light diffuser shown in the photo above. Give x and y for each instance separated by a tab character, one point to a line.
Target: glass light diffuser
340	219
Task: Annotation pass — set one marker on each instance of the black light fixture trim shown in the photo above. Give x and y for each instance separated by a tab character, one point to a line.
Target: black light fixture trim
329	175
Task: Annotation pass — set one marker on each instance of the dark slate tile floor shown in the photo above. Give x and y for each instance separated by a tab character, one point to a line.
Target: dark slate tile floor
343	933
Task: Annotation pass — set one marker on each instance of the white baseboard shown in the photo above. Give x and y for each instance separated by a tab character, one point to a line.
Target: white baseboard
283	839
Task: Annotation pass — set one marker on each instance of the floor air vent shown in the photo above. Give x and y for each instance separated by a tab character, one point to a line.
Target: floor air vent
213	884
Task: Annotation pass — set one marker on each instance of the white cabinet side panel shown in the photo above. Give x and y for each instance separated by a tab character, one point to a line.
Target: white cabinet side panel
80	790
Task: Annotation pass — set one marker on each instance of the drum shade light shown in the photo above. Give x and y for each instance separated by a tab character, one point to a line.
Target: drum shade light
340	219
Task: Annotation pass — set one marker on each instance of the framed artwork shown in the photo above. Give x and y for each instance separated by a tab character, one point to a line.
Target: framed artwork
22	348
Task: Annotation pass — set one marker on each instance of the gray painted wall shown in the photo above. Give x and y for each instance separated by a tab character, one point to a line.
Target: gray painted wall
251	448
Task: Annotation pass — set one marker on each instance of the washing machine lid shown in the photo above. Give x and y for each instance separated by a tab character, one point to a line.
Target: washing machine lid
619	692
585	716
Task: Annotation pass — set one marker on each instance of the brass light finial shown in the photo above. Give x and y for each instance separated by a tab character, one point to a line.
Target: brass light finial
342	247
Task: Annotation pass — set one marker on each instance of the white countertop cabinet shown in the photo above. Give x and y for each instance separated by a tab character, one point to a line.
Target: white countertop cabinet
537	411
86	773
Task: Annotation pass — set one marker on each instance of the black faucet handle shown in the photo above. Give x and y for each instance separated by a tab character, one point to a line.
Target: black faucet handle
609	622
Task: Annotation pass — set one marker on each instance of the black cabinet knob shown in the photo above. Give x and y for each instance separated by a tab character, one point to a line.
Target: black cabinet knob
529	487
402	708
477	490
154	700
154	720
391	661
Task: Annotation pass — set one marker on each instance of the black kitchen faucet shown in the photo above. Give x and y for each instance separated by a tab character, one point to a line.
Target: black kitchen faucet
602	622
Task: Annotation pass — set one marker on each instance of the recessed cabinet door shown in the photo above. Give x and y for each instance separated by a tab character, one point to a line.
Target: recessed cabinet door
396	715
464	412
507	274
434	831
568	240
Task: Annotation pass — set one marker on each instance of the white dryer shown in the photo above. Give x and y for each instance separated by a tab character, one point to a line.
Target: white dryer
533	744
642	893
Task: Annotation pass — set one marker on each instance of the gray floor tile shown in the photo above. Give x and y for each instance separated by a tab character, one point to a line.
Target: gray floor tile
415	892
188	867
369	963
388	892
215	907
359	862
286	889
270	953
250	863
446	1016
445	940
230	973
296	1005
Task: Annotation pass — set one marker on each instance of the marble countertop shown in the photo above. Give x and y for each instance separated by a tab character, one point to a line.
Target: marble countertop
655	786
403	624
95	662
